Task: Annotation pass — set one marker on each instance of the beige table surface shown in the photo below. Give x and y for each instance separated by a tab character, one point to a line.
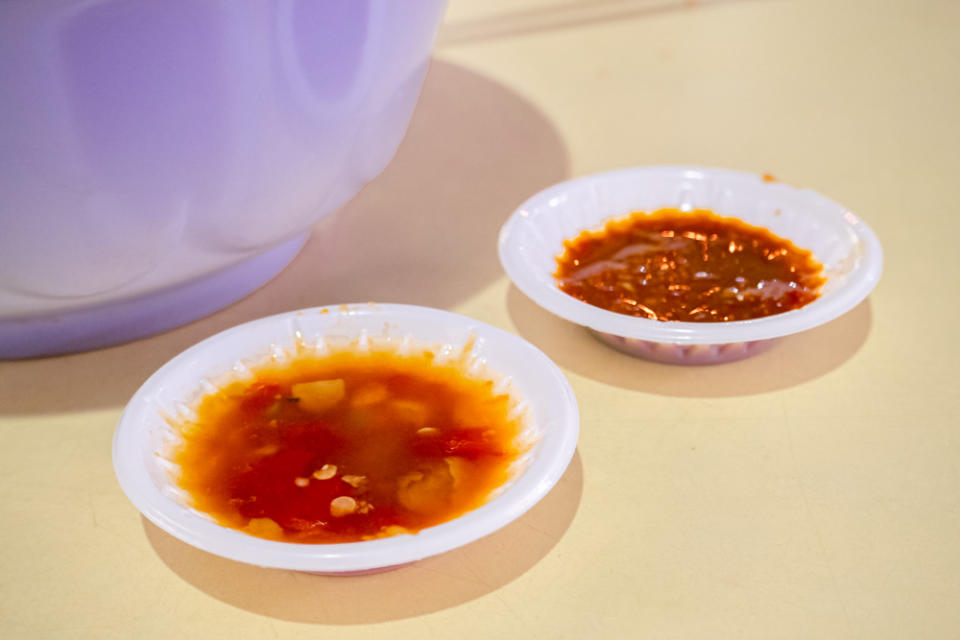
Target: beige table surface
810	492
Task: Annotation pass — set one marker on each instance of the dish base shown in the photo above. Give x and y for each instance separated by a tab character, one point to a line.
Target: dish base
361	572
684	354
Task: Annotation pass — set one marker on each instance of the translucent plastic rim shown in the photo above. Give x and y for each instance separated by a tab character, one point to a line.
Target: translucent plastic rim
134	448
527	273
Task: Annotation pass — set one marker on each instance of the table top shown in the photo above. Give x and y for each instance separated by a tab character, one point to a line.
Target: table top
812	491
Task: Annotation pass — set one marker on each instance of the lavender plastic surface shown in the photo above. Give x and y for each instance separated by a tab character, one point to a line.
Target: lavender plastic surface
147	144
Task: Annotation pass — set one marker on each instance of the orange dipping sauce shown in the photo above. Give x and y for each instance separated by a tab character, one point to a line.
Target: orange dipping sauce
347	447
688	266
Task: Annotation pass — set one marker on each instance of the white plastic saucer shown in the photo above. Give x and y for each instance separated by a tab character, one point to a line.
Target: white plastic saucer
533	237
144	435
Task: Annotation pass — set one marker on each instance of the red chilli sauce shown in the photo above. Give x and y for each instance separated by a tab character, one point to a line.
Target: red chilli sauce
688	266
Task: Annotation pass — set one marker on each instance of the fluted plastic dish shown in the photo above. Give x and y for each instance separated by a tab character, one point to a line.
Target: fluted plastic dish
533	236
539	391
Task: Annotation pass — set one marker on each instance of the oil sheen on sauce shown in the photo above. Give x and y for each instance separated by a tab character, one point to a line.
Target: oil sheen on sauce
347	447
688	266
